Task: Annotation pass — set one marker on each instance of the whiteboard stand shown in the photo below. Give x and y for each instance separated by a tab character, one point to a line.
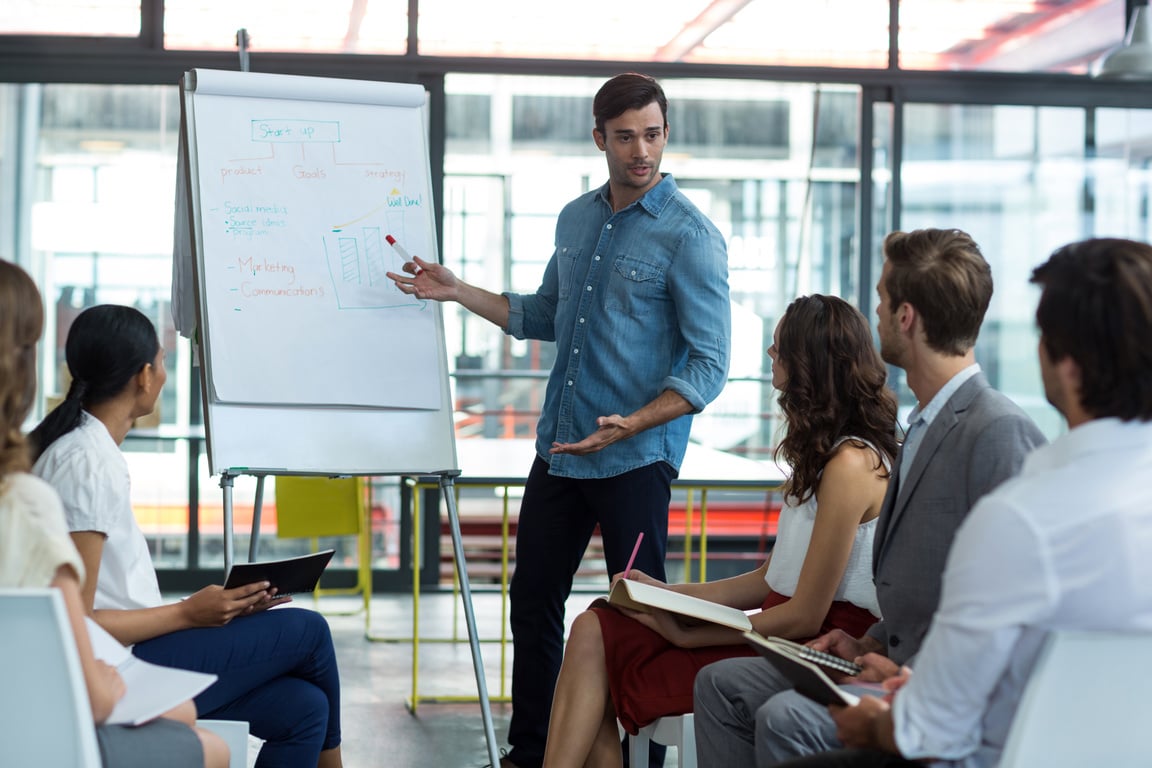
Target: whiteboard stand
448	493
226	487
287	186
227	480
257	507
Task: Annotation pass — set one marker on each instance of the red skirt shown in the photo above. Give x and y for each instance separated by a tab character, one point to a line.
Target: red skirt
650	678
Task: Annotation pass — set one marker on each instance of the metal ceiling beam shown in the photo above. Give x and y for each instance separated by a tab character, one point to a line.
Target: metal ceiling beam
1070	33
717	14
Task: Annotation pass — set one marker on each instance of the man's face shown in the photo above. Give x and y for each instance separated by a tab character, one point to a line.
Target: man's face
887	326
633	143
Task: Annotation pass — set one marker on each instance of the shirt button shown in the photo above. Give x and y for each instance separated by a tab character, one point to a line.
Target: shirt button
569	382
597	258
581	320
894	641
608	227
588	288
563	250
576	351
633	273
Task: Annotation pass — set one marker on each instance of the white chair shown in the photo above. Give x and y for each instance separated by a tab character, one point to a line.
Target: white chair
674	731
1086	703
235	735
45	717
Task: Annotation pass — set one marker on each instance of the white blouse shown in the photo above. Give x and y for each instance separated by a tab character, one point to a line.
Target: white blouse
89	472
34	540
793	535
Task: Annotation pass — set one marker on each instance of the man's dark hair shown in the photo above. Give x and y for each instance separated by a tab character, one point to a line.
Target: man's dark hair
1096	307
941	273
630	90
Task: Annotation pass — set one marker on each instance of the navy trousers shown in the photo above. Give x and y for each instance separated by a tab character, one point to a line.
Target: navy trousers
557	518
276	669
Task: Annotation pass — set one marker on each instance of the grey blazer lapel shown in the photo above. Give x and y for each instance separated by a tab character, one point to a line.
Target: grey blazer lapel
885	515
897	499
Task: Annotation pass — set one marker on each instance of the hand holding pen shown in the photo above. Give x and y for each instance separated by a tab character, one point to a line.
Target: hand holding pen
628	568
424	279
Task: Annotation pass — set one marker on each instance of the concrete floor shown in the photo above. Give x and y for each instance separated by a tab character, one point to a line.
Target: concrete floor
377	683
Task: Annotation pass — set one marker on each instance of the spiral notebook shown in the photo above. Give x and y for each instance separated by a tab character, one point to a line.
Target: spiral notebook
807	678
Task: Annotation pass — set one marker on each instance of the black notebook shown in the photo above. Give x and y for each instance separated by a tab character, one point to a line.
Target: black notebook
807	678
296	574
819	658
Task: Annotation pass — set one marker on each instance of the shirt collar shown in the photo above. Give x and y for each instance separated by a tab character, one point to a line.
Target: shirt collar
653	200
1090	437
926	414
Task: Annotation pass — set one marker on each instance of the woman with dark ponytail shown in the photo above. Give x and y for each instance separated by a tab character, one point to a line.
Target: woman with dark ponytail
101	370
276	669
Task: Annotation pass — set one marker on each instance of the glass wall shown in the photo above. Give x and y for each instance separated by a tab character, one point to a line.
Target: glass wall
775	155
93	169
774	165
1024	181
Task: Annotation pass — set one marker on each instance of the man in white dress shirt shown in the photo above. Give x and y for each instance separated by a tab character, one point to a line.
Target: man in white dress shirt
1062	546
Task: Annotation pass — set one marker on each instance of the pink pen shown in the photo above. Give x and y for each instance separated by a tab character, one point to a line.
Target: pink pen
635	549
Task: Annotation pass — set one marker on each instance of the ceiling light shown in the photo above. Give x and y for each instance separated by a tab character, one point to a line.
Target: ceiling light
1133	59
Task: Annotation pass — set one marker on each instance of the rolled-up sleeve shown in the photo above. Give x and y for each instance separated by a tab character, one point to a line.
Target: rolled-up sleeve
533	315
699	286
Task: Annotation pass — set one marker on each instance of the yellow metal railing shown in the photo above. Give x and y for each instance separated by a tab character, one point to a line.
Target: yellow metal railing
502	696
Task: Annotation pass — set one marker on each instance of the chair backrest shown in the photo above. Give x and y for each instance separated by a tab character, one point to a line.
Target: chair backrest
309	507
1086	703
45	717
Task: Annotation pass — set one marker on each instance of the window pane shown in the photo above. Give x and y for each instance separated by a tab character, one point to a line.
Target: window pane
1022	181
773	165
100	231
1008	35
117	18
1121	182
333	26
758	32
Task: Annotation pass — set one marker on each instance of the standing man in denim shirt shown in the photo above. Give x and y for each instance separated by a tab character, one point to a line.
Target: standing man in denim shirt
636	298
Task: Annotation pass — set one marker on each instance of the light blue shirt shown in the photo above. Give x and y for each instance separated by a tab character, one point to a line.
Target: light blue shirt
921	418
637	303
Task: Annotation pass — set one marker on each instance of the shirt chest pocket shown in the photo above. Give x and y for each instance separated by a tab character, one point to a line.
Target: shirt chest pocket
566	258
635	286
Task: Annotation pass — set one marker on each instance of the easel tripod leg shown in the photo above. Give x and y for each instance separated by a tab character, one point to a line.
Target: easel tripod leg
447	489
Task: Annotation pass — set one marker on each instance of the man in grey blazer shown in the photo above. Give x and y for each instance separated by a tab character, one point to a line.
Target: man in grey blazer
964	438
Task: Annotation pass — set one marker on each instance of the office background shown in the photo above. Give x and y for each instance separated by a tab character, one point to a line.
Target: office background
806	131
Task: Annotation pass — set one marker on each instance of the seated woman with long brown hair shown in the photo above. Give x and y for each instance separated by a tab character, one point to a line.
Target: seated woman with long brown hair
840	420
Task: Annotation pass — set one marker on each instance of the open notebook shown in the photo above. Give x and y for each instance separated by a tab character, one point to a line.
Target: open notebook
807	678
644	597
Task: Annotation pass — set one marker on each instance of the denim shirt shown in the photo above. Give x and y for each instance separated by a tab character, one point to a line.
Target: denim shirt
637	303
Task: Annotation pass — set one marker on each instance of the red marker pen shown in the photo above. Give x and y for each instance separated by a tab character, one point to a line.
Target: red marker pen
403	253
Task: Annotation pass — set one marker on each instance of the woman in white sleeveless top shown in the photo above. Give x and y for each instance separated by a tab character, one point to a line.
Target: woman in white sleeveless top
840	440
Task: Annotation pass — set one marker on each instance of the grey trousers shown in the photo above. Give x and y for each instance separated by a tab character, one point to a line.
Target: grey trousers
747	714
157	743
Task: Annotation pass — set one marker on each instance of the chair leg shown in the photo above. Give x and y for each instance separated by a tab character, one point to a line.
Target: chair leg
638	750
686	749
